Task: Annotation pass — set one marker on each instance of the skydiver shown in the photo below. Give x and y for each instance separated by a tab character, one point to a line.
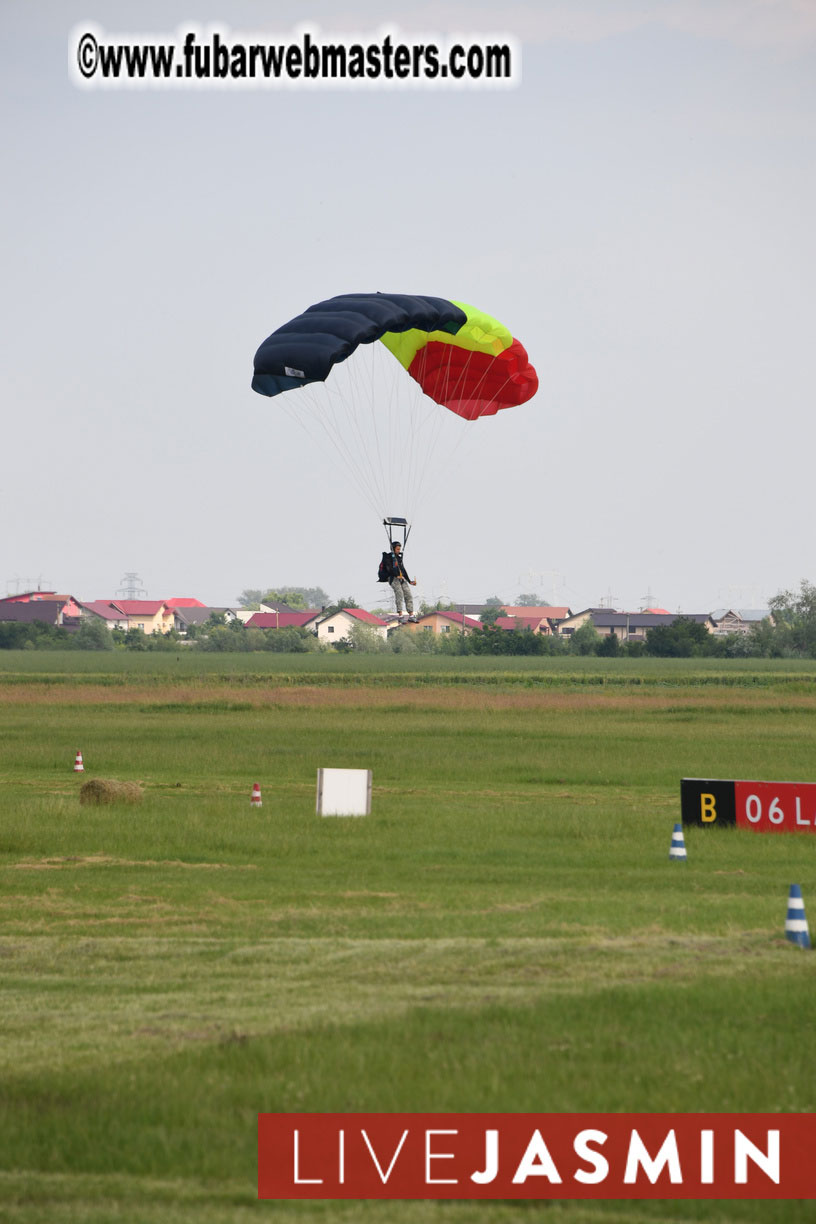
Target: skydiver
401	584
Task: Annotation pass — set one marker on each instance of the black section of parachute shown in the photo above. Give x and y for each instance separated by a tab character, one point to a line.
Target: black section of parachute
305	349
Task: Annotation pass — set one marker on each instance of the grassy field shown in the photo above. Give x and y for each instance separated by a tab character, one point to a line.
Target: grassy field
504	932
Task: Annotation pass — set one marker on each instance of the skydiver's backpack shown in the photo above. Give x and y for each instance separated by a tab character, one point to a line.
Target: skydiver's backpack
384	572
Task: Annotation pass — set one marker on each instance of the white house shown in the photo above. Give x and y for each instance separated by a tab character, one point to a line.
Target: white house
337	626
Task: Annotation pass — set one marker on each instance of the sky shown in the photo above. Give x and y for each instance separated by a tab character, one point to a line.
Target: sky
638	210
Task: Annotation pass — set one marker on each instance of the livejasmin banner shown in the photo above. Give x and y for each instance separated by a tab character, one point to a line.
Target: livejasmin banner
536	1156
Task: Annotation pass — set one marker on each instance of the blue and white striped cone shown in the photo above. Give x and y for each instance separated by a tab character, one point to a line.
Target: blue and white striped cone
677	849
796	927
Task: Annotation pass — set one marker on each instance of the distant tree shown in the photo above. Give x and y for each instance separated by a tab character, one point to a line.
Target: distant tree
13	635
734	646
366	640
682	639
609	646
135	639
48	637
250	599
526	642
453	643
220	639
764	640
585	640
162	641
294	596
315	597
427	642
298	597
92	634
553	644
33	636
285	595
529	601
407	643
441	605
505	642
491	614
493	601
292	640
662	642
339	604
795	615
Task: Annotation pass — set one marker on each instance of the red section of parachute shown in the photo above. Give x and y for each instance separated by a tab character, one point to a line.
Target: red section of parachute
474	384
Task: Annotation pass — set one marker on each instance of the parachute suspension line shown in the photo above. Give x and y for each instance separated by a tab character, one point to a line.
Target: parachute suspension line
326	408
403	423
440	423
348	417
442	418
382	467
409	424
391	391
321	431
426	437
477	387
412	433
355	403
399	395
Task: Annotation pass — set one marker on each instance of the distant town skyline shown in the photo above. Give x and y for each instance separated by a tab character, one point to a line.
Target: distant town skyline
647	602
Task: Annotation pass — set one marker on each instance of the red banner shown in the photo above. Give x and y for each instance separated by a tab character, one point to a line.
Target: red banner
776	807
536	1156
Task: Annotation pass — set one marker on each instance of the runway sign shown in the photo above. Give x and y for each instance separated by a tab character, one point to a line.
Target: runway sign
765	807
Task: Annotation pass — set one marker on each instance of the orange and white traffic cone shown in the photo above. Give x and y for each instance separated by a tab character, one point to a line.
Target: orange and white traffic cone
255	801
78	766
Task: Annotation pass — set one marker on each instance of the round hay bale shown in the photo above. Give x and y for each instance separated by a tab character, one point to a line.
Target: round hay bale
107	790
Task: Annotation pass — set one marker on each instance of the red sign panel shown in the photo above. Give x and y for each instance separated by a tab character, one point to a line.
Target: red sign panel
776	807
536	1156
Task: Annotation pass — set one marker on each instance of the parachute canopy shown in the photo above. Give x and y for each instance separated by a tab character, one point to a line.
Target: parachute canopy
460	356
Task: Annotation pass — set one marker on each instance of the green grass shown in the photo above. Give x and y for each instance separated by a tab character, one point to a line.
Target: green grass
504	932
128	667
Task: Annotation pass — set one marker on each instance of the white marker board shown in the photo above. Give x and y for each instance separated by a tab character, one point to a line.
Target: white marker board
343	792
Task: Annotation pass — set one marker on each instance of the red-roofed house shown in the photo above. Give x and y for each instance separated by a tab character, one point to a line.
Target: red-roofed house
28	596
281	620
149	615
184	601
514	623
337	626
48	611
109	612
70	608
547	618
534	624
444	622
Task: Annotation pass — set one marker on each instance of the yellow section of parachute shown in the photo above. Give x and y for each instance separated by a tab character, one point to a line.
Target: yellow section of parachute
481	333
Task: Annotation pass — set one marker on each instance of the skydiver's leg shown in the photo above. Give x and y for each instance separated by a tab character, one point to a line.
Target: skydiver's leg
396	587
409	599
